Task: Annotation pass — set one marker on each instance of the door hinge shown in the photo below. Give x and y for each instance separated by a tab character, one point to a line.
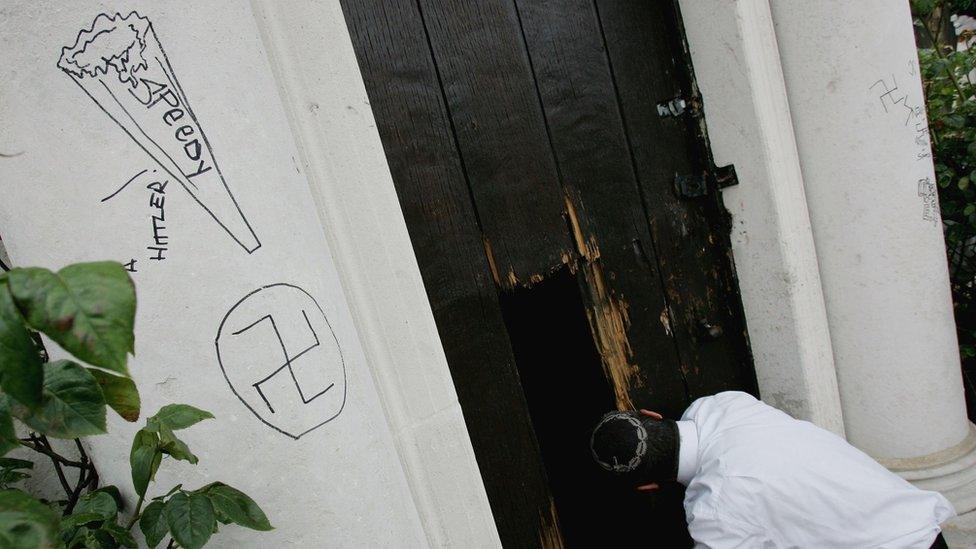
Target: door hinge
697	185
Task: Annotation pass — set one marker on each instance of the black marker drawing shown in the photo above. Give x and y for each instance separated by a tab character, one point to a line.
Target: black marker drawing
124	185
280	356
157	202
120	64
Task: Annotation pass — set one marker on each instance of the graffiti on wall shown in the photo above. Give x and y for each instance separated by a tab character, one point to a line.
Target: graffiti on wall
280	356
121	65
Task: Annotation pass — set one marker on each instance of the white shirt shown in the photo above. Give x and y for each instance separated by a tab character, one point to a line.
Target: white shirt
758	478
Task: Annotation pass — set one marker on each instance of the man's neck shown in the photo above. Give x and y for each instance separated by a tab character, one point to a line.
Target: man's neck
687	451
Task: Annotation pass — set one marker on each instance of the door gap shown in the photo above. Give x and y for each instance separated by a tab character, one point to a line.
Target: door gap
566	390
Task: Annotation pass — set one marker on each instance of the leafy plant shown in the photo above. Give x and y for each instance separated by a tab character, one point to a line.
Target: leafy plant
950	96
89	310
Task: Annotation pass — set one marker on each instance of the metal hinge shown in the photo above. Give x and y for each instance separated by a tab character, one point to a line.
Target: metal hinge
691	185
697	185
673	107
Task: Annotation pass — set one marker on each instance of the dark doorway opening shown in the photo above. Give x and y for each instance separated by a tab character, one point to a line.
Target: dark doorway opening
566	390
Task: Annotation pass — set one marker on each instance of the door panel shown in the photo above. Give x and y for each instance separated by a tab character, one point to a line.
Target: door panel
421	149
691	236
567	274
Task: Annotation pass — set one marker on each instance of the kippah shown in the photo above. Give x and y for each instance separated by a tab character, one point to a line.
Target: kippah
619	442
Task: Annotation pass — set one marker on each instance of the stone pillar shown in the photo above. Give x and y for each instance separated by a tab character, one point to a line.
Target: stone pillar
855	95
740	76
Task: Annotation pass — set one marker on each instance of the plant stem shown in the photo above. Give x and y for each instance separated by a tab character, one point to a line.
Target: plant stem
136	513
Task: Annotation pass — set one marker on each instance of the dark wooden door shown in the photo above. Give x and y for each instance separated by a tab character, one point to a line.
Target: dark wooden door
567	271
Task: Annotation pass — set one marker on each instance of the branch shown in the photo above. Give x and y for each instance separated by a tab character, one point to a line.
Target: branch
51	454
87	478
83	455
87	475
42	441
74	494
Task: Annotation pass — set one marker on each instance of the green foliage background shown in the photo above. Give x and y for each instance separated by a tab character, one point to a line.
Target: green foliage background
88	309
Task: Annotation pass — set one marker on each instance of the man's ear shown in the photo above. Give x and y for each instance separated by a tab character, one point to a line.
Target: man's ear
651	414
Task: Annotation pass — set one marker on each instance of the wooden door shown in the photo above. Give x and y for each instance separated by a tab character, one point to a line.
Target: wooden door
568	271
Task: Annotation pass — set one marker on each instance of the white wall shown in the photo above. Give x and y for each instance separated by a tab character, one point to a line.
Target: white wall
282	104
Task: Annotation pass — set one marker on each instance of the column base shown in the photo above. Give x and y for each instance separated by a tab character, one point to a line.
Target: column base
951	472
961	531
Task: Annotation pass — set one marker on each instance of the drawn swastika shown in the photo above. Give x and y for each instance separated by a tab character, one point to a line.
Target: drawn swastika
281	358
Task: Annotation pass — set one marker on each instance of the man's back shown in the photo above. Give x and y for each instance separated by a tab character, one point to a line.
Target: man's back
764	479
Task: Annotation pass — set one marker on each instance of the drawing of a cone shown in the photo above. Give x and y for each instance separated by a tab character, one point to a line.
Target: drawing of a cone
121	65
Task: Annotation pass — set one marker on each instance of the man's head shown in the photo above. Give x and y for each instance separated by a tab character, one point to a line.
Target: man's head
639	448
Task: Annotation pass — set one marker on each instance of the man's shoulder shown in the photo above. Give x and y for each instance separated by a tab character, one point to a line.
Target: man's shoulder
721	403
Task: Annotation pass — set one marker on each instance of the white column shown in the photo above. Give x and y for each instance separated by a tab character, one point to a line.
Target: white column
856	101
737	67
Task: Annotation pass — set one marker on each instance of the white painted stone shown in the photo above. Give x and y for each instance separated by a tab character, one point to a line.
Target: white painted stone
857	106
737	67
286	118
865	158
360	210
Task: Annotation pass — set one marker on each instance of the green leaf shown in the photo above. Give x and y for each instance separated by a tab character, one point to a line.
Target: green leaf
77	519
77	538
120	535
91	542
153	523
9	476
144	459
100	503
13	463
26	522
173	446
72	406
922	7
87	308
21	373
8	437
190	518
100	539
177	416
235	506
116	495
120	393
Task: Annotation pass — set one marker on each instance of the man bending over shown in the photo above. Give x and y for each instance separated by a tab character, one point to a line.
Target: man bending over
756	477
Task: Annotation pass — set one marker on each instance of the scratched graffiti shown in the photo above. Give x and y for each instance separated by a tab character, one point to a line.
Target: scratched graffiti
930	200
900	101
894	100
121	65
